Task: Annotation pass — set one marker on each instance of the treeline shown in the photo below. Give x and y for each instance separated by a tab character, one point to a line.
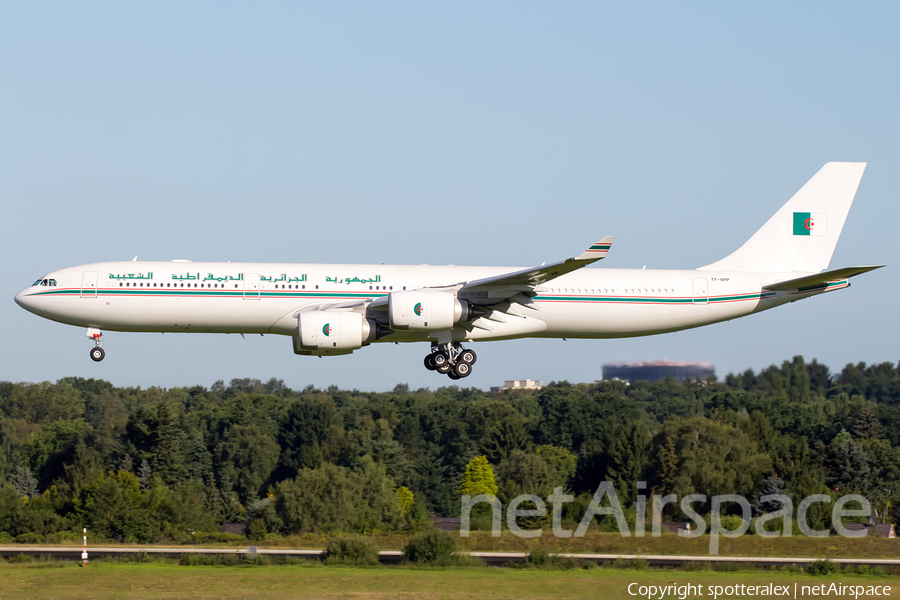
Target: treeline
155	464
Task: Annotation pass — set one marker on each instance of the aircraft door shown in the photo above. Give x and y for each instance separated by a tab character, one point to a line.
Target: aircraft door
89	284
701	290
251	286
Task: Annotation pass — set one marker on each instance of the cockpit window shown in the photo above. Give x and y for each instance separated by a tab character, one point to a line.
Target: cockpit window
38	282
52	282
44	282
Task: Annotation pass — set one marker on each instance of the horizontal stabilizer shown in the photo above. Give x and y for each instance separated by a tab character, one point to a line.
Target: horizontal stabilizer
819	279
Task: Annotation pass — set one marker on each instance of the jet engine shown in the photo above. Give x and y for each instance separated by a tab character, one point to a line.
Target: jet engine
422	310
328	332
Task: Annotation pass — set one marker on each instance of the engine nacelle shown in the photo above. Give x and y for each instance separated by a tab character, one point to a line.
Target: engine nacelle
331	332
421	310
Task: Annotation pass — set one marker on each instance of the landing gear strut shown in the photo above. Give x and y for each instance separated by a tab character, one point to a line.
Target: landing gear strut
97	352
451	359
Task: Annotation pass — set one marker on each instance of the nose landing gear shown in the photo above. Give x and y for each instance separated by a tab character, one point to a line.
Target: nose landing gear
451	359
97	352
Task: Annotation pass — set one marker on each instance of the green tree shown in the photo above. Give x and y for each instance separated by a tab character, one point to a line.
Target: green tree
715	458
405	500
333	498
628	455
478	478
248	456
504	437
561	465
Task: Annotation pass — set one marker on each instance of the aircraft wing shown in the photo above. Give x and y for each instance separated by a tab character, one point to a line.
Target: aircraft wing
509	284
819	279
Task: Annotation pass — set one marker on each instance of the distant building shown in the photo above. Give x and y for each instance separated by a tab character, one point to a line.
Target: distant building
234	528
519	384
658	369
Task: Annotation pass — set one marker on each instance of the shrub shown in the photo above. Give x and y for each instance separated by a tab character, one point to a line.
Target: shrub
351	550
822	567
62	537
196	560
432	546
29	538
540	557
635	564
215	537
257	530
23	558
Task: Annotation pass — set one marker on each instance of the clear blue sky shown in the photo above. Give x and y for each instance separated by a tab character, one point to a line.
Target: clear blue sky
504	133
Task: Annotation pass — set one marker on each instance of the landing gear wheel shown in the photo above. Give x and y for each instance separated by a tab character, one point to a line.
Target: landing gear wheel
429	362
441	359
453	375
444	368
97	354
468	356
461	370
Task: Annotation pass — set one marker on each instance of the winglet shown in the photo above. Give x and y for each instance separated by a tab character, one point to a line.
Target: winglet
598	250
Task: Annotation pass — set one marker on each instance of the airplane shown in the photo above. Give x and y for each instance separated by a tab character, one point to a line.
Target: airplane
334	309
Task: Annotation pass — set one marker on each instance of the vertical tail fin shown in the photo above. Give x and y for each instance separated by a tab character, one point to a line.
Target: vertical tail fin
802	235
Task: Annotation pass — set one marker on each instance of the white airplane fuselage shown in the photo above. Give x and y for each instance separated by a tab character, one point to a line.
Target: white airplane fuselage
333	309
266	297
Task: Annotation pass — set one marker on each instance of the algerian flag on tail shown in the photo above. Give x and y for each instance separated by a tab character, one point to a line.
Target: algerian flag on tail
801	236
806	223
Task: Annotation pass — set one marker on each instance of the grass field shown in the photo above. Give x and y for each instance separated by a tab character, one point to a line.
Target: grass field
613	543
107	581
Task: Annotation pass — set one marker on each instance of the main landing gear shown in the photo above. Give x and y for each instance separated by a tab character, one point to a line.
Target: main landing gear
451	359
97	352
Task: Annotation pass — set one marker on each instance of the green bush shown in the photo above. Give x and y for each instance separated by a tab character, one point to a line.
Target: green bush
209	560
215	537
257	530
430	547
539	557
62	537
29	538
822	567
634	564
23	558
351	550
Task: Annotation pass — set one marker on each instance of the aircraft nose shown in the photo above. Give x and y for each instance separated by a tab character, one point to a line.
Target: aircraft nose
23	300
